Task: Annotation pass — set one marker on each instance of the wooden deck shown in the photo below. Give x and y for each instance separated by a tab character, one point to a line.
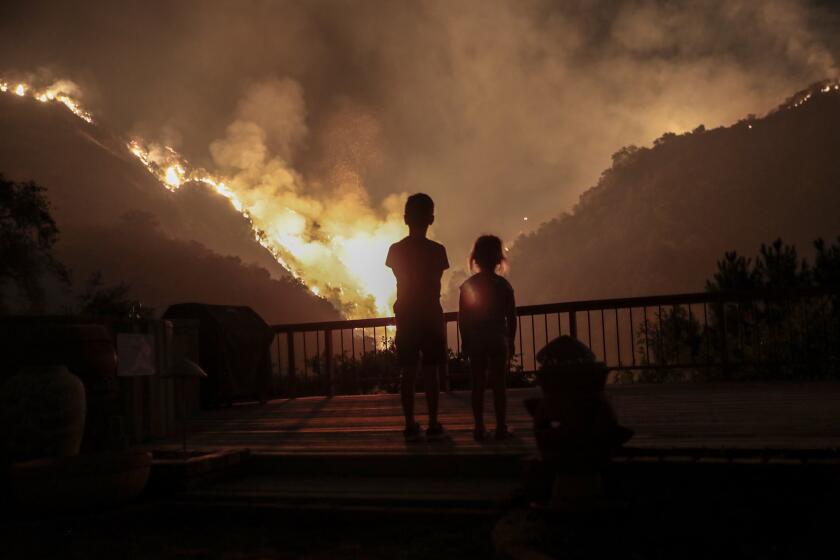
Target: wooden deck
714	416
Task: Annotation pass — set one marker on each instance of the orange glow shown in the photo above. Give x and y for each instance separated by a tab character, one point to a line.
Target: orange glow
344	264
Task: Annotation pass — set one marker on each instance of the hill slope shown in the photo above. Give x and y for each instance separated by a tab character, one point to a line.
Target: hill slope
660	217
115	217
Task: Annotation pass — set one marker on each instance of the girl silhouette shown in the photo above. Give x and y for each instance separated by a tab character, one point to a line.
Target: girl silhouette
487	321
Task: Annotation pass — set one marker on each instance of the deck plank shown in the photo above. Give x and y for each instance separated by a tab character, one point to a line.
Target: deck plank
750	416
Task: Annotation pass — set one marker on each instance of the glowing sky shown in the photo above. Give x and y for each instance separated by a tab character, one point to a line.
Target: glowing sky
499	110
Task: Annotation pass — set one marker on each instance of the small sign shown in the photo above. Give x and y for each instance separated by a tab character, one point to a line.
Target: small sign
136	354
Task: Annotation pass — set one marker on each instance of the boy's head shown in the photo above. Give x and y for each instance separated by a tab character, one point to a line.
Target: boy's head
419	210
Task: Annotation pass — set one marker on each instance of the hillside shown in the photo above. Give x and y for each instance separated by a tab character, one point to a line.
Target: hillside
116	218
660	217
162	270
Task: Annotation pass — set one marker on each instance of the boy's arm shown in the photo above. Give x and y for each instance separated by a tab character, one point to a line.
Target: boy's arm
464	323
389	260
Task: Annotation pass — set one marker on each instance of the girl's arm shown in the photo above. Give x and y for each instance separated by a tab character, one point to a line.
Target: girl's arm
510	313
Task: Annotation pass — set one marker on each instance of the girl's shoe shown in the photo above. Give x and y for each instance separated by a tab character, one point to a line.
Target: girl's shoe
480	435
412	433
503	433
435	432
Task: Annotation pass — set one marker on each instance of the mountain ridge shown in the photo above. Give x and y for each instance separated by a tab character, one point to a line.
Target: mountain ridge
659	217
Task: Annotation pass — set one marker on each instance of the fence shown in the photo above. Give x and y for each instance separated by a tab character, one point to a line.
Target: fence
761	334
153	405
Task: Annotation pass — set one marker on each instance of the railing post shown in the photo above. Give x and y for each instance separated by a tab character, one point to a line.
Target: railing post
573	324
355	364
328	362
724	343
290	340
277	384
444	376
443	372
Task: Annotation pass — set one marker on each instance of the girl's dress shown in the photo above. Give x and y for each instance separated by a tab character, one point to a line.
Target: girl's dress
487	316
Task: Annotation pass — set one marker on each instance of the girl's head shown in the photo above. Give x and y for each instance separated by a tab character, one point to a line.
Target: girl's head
487	253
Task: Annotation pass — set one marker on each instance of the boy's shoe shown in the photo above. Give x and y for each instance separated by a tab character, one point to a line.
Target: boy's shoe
503	433
480	435
412	433
435	432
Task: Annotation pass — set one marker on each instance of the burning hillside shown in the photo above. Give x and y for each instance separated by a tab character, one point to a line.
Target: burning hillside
334	242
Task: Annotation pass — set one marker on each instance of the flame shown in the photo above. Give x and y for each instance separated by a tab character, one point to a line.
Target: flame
347	270
174	176
828	87
61	91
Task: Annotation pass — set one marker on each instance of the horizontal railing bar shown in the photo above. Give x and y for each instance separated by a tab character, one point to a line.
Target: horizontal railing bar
586	305
336	325
627	367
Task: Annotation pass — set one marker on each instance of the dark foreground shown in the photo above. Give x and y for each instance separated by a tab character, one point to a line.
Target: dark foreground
715	471
160	531
657	510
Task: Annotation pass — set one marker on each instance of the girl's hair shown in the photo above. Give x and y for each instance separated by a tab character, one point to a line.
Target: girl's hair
487	253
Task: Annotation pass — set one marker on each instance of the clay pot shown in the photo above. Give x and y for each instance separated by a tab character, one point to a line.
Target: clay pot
80	482
42	414
85	349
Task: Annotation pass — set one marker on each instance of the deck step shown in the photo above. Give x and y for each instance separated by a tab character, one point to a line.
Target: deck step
487	485
432	462
476	495
420	464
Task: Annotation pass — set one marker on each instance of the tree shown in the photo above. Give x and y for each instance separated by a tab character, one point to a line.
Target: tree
790	337
99	300
27	236
826	272
734	273
672	337
778	266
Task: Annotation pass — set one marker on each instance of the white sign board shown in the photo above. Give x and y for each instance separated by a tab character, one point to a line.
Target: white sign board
136	354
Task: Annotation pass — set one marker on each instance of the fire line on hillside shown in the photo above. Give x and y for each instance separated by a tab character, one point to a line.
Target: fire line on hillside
341	267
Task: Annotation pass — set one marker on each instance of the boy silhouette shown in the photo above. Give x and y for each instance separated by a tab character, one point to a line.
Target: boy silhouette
418	263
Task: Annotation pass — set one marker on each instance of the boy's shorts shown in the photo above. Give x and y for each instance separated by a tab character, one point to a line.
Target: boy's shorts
421	338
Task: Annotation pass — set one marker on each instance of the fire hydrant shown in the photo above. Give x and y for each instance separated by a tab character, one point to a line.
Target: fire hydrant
574	424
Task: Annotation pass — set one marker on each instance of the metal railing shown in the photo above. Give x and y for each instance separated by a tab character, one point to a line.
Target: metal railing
760	334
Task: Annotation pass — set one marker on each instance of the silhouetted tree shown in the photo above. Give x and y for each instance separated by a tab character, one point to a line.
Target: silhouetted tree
624	155
778	266
780	338
99	300
790	338
826	272
734	273
27	236
672	337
